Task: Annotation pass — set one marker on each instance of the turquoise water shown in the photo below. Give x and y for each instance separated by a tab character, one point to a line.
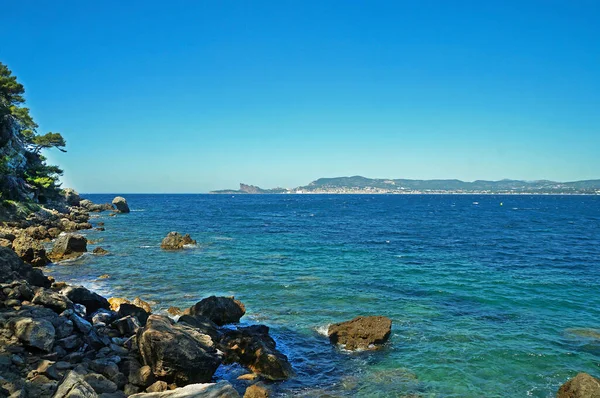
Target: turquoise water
490	296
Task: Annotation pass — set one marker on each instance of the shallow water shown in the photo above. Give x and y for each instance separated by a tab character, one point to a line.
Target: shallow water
490	296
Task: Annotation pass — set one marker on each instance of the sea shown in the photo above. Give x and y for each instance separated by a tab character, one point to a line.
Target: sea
489	295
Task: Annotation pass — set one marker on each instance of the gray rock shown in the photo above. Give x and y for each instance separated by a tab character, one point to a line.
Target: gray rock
38	333
220	310
121	204
81	324
80	295
74	386
71	197
99	383
222	389
53	300
127	326
177	353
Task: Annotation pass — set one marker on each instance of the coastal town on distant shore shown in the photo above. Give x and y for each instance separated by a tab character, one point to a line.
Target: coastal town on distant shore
363	185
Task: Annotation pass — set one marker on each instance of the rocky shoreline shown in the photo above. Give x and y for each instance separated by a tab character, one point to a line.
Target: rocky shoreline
60	340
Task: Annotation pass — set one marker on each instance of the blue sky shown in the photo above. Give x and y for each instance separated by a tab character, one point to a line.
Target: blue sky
190	96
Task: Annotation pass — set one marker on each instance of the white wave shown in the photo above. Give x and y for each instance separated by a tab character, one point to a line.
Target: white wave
323	330
132	210
145	246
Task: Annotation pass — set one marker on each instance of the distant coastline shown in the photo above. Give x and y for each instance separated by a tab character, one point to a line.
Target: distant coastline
363	185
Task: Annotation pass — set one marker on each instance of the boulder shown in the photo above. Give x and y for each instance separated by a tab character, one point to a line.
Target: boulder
90	206
121	204
222	389
133	310
71	197
5	243
31	251
68	246
99	383
142	304
581	386
115	302
174	311
220	310
127	325
176	353
80	295
74	386
53	300
158	386
363	332
253	348
38	232
13	268
203	324
37	333
175	241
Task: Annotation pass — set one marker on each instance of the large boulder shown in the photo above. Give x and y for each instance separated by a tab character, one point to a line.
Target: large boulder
176	241
581	386
220	310
74	386
30	250
121	204
68	246
177	353
53	300
80	295
222	389
253	348
13	268
361	333
71	197
37	333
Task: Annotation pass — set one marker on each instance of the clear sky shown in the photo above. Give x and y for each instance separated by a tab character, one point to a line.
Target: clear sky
190	96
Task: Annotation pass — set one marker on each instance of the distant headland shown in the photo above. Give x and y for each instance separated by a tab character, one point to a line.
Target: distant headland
363	185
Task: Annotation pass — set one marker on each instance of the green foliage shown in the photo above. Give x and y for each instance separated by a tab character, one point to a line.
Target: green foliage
19	140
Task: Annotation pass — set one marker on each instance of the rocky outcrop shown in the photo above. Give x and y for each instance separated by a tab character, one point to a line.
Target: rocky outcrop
175	241
93	207
253	348
220	310
68	246
13	268
222	389
177	353
121	204
581	386
361	332
31	251
71	197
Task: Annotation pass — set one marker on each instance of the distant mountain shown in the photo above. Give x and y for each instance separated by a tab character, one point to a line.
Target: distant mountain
359	184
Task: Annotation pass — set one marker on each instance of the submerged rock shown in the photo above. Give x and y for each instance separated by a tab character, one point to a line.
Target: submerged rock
220	310
175	241
121	204
68	246
253	348
100	251
362	332
176	353
222	389
581	386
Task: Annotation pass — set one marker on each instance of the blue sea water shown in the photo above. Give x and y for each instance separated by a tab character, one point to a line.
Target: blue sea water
490	296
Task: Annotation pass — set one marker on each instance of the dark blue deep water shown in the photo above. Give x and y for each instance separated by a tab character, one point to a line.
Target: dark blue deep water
490	296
